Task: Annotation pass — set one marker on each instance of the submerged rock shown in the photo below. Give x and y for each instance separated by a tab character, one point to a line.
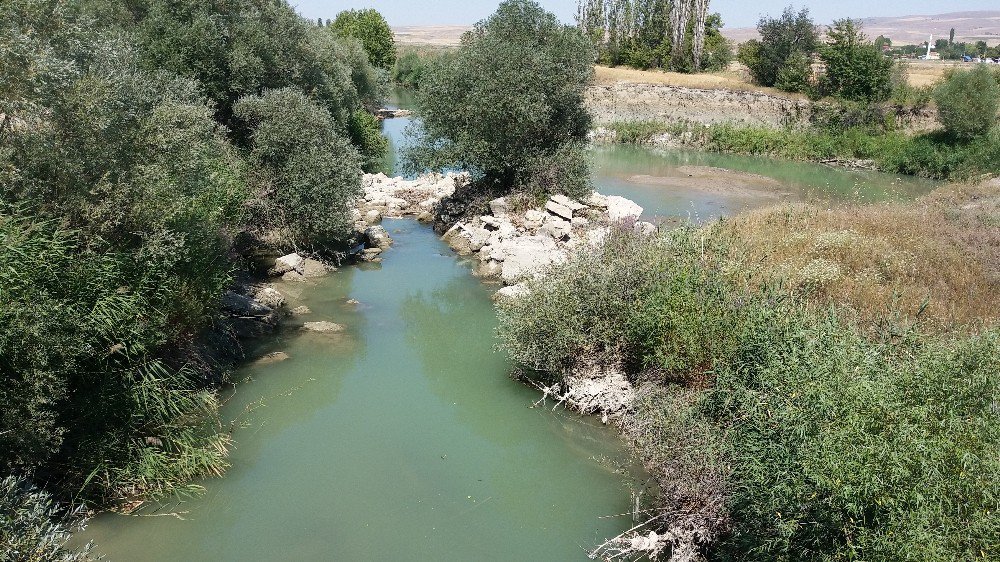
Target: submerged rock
324	327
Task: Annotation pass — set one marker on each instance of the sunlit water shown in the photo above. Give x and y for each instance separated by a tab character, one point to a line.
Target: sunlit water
404	439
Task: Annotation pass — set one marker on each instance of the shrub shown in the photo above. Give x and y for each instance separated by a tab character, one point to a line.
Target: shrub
968	102
306	171
410	69
779	432
510	95
791	38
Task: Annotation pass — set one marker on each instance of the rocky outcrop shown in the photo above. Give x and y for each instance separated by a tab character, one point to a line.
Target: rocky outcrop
386	197
393	113
253	311
512	247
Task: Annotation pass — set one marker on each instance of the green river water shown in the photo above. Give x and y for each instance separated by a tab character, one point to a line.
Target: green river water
404	439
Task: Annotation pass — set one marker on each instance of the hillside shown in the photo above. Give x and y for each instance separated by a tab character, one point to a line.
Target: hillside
969	27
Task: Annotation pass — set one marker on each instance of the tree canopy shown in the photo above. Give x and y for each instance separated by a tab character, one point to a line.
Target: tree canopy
369	27
508	105
785	46
855	68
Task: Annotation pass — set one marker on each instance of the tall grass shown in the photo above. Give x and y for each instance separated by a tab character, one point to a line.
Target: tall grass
782	431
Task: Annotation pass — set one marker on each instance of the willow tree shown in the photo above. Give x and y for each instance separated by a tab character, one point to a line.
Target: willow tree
670	34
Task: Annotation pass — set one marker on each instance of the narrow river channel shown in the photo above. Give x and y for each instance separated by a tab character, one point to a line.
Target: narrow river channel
404	439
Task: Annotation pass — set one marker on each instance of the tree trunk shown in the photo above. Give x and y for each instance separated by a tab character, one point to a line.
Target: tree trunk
698	46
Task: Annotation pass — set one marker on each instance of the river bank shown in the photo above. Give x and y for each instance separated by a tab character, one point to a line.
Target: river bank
927	155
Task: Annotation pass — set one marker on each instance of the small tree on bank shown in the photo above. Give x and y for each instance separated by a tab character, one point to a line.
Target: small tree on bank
369	27
508	105
968	102
855	69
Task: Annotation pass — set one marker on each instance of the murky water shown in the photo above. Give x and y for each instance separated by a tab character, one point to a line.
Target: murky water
403	439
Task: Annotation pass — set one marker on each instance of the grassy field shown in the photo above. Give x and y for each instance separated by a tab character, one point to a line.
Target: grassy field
731	79
935	260
927	73
919	73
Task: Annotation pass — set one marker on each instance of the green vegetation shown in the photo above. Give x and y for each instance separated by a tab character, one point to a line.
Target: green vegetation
508	105
680	35
31	526
968	103
411	66
369	27
781	58
870	134
856	69
775	427
138	142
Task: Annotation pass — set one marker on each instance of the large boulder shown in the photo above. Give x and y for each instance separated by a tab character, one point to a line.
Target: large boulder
558	210
284	264
377	237
568	203
557	228
525	256
243	305
267	296
621	209
499	207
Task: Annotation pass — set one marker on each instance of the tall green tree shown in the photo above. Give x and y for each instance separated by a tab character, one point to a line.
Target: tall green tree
790	38
855	68
508	105
369	27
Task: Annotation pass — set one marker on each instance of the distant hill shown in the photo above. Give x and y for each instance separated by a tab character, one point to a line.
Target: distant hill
913	30
903	30
434	35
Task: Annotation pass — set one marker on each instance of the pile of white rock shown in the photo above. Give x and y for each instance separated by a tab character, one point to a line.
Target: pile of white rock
386	197
514	246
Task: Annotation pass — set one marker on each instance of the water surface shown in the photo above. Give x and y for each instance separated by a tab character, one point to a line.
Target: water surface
402	440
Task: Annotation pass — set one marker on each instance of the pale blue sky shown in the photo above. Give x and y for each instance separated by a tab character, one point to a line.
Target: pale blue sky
735	13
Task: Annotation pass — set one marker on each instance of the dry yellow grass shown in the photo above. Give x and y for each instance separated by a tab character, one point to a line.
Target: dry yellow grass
921	74
943	250
733	79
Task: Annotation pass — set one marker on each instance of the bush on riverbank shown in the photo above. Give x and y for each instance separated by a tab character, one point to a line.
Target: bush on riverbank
807	438
930	155
126	174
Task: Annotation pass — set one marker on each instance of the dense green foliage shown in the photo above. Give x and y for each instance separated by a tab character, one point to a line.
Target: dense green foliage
369	27
309	191
968	103
673	35
779	431
31	527
782	55
855	68
508	105
411	68
137	142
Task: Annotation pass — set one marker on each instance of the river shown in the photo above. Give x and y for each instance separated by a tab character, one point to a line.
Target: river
404	438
